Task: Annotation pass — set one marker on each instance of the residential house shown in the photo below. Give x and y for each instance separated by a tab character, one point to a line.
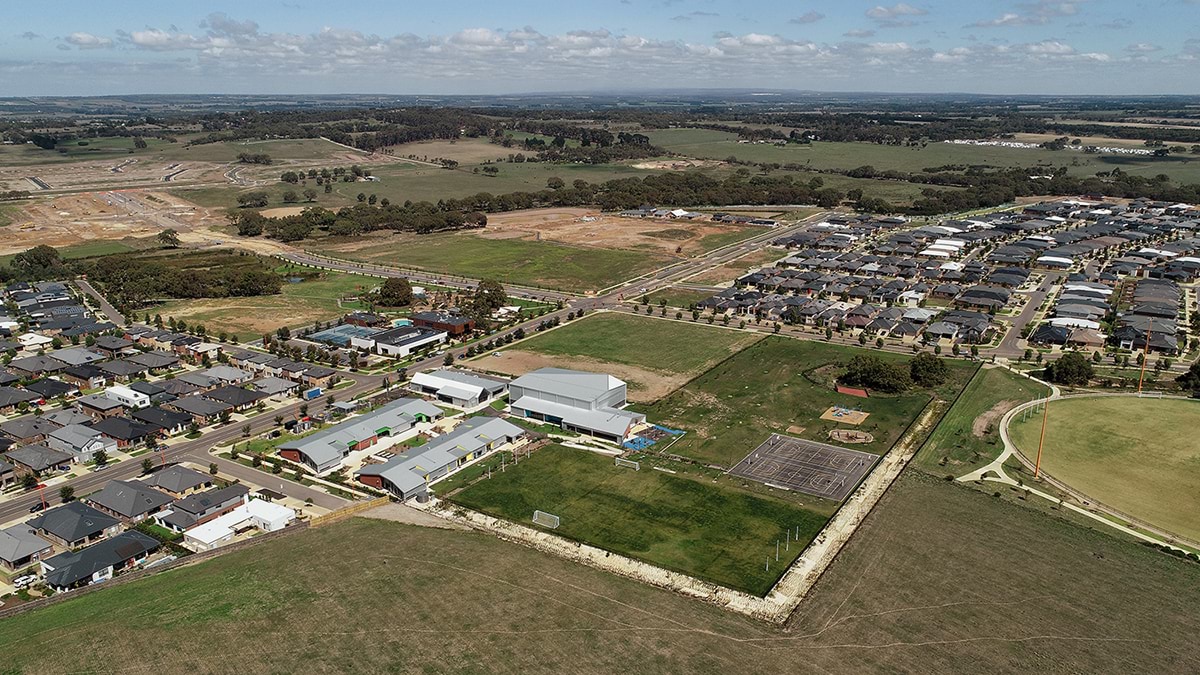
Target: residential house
99	562
201	507
85	377
50	388
99	406
237	398
168	422
178	481
83	442
27	429
130	398
255	513
126	432
11	398
38	460
74	524
21	547
202	410
129	500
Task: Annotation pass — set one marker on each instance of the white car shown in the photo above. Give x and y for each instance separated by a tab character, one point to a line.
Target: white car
23	581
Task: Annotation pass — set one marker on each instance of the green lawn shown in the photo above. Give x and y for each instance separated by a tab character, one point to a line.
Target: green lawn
518	261
670	346
779	383
956	446
714	533
94	249
677	297
704	143
1137	455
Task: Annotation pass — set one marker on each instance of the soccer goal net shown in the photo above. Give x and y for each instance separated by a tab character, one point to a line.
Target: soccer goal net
629	464
545	519
1150	394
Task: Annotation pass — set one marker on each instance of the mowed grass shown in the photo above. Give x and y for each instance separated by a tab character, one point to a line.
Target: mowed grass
518	261
776	386
297	304
1137	455
704	143
939	576
968	436
710	532
677	297
654	344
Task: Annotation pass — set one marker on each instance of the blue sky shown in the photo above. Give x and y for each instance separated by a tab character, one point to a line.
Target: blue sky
71	47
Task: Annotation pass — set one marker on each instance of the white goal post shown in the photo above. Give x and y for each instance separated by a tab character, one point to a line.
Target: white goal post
545	519
628	463
1150	394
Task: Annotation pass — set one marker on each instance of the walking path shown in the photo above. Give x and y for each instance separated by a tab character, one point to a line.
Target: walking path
995	472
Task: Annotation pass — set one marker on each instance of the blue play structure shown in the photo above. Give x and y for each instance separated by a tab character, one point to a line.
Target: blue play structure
650	437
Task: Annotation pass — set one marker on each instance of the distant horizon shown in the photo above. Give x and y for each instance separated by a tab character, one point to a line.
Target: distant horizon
647	92
1007	47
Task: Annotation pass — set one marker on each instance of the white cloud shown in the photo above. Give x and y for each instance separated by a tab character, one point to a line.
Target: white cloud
859	33
88	41
881	13
1143	48
1032	13
807	17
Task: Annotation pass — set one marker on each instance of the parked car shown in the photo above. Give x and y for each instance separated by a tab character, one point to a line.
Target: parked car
37	507
24	581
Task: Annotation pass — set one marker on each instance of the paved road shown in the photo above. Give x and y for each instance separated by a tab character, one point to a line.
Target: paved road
105	306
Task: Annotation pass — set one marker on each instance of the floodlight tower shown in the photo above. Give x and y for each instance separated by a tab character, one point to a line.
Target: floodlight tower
1145	357
1037	466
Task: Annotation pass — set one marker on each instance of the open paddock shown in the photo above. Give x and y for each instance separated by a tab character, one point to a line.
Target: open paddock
817	469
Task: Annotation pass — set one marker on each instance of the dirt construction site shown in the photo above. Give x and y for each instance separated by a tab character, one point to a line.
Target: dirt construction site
87	217
100	174
588	227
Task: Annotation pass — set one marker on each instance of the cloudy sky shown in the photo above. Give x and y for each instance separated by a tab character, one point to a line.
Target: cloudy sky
65	47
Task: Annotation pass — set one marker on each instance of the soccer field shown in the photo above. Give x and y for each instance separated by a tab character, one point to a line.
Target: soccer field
1137	455
714	533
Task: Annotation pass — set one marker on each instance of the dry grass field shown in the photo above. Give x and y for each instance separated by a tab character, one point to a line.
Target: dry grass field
940	578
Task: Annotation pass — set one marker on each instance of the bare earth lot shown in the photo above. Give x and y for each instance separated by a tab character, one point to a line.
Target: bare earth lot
589	227
644	385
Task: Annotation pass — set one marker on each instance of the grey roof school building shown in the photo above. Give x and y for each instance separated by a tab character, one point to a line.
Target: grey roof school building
457	387
408	474
588	403
326	449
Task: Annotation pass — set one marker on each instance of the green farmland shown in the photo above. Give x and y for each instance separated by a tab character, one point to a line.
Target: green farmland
517	261
714	533
704	143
